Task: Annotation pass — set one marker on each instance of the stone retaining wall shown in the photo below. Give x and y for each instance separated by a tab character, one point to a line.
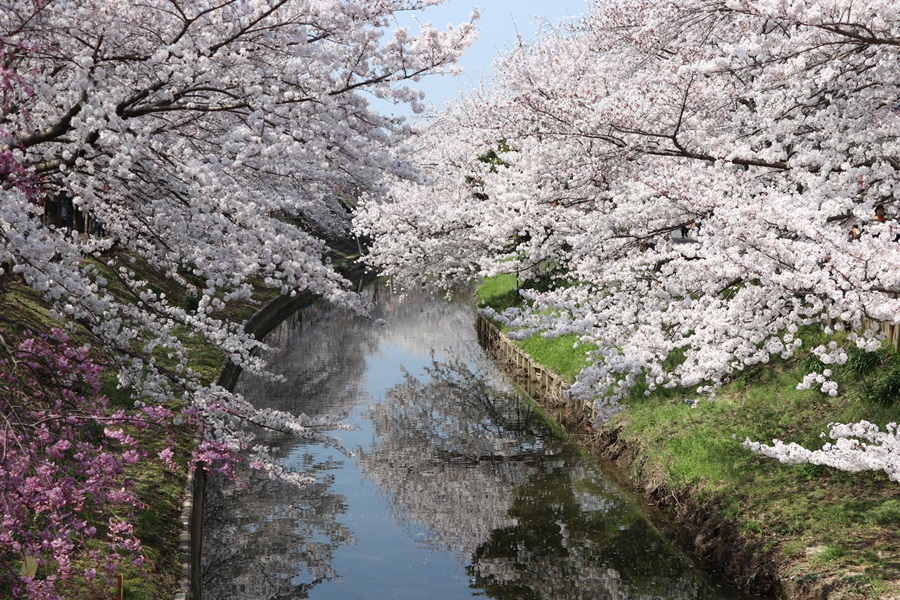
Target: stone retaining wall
190	541
537	380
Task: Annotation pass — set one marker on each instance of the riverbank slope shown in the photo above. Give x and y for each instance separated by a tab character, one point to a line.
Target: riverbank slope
802	532
165	499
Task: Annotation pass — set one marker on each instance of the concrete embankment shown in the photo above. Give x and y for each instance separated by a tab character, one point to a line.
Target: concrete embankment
689	522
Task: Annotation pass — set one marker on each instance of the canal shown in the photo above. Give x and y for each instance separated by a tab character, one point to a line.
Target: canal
447	485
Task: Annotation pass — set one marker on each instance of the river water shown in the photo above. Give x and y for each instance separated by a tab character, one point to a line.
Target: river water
449	485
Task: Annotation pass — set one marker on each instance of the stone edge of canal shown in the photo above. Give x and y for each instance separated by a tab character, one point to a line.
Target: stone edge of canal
689	524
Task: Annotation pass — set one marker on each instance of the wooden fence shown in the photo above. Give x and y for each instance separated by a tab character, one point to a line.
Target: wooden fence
537	380
891	332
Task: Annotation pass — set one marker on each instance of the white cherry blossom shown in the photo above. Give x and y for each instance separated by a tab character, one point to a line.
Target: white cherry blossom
688	172
191	130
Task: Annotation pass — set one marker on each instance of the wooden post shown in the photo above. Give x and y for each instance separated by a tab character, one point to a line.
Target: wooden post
120	586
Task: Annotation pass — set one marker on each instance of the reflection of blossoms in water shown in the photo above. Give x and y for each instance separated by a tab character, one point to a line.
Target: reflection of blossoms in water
319	355
265	538
271	539
577	537
449	452
470	489
477	469
421	324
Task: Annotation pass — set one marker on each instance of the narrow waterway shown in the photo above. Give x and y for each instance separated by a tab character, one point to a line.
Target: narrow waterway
449	485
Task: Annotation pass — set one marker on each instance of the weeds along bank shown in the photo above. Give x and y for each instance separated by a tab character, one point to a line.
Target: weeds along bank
798	531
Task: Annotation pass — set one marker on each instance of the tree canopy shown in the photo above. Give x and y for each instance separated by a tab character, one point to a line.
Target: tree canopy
186	131
681	184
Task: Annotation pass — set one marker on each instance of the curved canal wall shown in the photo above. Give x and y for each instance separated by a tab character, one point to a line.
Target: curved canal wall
190	542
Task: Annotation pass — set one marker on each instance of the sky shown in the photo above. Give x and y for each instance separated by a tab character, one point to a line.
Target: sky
500	21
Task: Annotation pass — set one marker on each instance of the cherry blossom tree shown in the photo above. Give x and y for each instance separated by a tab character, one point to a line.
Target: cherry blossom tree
857	447
683	177
193	135
188	130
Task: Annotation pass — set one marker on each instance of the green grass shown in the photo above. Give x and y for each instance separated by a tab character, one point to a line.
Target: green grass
21	309
820	522
561	354
498	292
785	506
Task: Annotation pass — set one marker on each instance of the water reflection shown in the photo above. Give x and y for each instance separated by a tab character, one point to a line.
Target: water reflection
481	471
449	452
456	487
263	541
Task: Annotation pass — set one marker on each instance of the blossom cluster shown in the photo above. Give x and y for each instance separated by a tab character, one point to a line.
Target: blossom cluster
63	458
190	145
218	143
858	446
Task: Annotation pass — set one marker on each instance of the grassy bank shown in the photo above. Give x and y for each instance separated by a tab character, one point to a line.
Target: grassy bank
823	533
558	354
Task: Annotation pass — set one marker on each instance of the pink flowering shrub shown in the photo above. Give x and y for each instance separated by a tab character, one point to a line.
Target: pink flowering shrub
66	502
62	455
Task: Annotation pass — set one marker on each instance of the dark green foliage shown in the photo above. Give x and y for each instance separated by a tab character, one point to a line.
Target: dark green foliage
811	364
874	375
886	513
492	158
119	397
884	387
860	362
750	375
674	359
190	303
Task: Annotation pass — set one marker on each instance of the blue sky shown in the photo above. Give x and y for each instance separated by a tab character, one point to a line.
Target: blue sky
499	22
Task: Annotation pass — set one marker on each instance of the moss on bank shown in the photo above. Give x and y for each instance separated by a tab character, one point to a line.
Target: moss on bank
800	531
